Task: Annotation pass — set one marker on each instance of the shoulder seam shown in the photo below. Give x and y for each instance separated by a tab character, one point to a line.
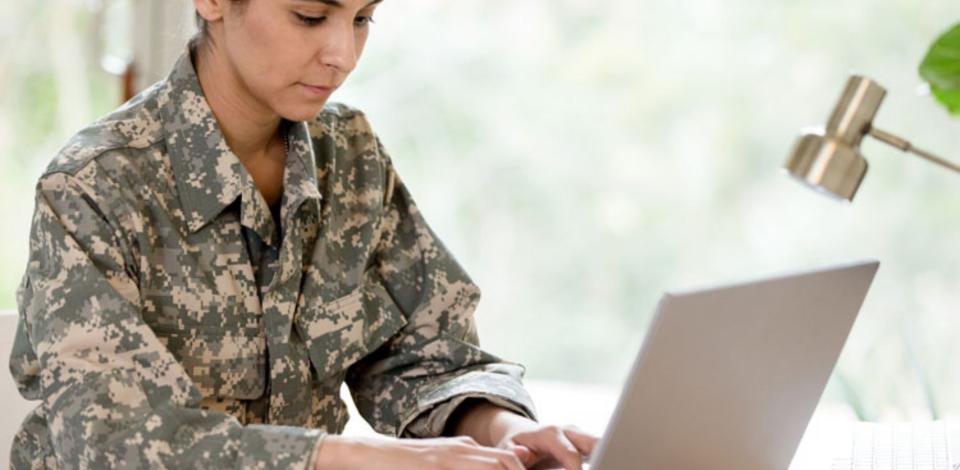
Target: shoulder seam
72	168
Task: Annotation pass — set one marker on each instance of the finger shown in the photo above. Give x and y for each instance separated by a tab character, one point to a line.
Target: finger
554	441
434	442
509	460
467	441
477	462
526	456
468	447
584	442
505	457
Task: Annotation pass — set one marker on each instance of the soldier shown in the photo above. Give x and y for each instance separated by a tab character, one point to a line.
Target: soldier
211	261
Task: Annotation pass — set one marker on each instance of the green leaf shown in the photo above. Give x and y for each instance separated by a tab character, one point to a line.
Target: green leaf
948	98
941	69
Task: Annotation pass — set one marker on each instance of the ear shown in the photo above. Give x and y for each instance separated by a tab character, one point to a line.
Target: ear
211	10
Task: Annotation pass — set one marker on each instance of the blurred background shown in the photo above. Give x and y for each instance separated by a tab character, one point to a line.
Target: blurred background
582	157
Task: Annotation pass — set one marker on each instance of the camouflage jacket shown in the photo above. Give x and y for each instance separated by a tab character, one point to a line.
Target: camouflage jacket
167	321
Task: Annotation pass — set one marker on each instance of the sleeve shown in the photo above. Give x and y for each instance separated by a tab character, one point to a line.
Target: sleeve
411	385
112	395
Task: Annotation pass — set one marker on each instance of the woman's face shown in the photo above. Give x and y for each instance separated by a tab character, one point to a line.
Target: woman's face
290	55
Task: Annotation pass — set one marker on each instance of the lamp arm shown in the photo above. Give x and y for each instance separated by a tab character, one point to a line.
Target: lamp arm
906	146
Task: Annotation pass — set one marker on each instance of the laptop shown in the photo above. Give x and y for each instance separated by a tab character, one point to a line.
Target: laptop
728	378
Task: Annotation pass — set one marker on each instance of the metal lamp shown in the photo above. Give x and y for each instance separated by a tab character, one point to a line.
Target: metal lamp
830	161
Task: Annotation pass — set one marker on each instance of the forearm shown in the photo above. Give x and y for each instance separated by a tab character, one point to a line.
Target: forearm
485	422
335	452
328	453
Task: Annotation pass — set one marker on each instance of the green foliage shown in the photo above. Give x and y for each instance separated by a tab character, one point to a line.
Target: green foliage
941	69
35	107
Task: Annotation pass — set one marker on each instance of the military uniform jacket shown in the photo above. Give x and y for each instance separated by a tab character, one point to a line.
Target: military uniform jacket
167	321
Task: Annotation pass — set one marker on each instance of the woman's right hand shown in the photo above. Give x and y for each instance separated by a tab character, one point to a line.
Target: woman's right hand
362	453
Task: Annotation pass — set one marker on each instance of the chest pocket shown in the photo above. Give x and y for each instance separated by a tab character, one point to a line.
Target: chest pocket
222	364
341	332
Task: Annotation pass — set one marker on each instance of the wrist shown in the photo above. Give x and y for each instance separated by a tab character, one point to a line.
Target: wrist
507	424
489	424
332	453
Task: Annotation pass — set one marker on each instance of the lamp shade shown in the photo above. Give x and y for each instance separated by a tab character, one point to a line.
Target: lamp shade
830	161
827	165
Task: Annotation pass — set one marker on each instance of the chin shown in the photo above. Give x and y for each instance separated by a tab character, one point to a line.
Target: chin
303	112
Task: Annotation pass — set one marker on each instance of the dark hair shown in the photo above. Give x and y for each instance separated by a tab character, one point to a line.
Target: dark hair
202	36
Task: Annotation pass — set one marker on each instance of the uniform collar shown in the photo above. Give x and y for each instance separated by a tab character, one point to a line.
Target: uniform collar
209	176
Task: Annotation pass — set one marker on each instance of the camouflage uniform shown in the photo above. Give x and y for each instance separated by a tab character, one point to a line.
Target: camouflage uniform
167	321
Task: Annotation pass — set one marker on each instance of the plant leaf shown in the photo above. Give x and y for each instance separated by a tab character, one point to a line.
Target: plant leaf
941	69
948	98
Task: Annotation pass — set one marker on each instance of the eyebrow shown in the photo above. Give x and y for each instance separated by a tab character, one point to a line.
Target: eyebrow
336	3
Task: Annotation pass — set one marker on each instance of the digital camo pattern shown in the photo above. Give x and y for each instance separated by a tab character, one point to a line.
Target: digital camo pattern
166	321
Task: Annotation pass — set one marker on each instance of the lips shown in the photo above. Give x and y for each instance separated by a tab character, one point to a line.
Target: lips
318	90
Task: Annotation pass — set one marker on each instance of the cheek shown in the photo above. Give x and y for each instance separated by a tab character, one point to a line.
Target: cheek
266	46
269	40
361	41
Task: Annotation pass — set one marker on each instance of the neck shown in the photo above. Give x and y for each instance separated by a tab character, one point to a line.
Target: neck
249	127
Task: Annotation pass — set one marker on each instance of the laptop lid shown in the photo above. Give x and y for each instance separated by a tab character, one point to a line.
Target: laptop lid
728	378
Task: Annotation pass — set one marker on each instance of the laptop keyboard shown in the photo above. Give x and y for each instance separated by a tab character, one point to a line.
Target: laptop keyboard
898	446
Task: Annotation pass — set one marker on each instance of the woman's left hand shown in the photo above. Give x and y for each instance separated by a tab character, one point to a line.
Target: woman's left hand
548	447
538	446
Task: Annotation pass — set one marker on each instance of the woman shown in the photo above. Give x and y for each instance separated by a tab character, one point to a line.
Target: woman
212	260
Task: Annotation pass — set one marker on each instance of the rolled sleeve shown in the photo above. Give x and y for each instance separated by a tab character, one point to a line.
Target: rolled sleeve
498	384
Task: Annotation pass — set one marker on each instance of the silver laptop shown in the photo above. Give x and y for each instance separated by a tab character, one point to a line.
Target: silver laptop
728	378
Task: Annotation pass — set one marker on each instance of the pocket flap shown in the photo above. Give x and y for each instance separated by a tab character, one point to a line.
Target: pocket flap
341	332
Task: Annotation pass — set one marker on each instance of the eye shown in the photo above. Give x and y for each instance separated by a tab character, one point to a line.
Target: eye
364	20
309	20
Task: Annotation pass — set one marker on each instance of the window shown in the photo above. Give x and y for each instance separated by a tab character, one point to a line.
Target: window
582	157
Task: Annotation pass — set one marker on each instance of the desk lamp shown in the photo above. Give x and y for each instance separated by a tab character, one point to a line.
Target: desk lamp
829	161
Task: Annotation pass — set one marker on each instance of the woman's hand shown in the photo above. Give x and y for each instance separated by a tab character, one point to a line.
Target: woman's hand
550	447
538	446
447	453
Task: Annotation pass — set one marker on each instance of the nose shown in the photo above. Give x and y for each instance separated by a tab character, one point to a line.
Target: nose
339	48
